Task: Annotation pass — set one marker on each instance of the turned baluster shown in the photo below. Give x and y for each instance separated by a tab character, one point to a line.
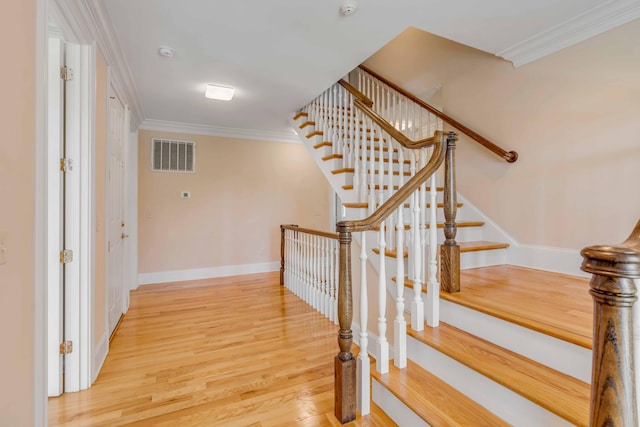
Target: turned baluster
345	363
364	365
615	271
450	250
282	253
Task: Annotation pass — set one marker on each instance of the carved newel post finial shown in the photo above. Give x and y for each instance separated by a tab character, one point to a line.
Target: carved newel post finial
615	270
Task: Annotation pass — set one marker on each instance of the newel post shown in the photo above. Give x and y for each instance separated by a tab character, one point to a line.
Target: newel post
281	255
613	388
345	363
450	250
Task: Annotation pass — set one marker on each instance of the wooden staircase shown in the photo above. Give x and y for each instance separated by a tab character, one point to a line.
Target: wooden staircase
513	347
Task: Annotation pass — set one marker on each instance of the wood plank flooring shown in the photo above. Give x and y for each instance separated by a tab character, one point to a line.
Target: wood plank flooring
237	351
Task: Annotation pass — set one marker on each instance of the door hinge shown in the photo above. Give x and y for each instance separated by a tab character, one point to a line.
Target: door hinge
66	73
66	256
66	165
66	347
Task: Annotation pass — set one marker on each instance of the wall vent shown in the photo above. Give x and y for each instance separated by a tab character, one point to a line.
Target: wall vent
173	156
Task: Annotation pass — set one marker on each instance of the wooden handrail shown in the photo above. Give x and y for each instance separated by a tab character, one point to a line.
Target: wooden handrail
345	364
362	104
310	231
509	156
388	207
615	270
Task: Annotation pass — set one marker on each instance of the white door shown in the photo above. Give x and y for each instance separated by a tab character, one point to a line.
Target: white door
116	221
55	113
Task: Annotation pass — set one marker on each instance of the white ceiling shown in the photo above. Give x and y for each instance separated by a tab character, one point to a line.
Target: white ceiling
279	54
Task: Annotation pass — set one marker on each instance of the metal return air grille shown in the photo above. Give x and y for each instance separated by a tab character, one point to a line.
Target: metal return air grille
173	156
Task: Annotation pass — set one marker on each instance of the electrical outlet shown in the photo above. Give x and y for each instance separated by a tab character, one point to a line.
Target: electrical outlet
186	194
3	247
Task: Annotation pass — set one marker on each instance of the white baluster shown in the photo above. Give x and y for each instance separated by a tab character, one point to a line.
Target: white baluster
372	167
433	287
400	324
355	148
382	361
364	152
325	277
417	305
314	271
380	168
336	280
364	366
423	219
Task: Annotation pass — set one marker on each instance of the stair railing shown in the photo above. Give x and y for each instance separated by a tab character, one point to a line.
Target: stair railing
614	377
309	267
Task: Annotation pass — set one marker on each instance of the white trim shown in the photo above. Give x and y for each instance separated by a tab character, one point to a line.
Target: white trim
602	18
195	129
87	210
558	260
132	211
90	21
40	253
99	356
207	273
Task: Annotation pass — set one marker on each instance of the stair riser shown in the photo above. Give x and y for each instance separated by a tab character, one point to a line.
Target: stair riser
503	402
394	408
560	355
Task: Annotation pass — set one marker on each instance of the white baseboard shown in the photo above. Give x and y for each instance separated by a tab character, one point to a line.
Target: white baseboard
99	356
207	273
559	260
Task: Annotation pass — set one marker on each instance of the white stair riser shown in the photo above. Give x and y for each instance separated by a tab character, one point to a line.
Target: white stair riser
557	354
498	399
400	413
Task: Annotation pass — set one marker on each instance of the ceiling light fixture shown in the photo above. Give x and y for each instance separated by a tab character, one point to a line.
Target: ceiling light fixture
221	93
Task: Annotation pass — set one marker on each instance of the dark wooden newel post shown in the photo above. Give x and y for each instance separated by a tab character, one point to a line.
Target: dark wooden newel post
450	250
613	389
345	363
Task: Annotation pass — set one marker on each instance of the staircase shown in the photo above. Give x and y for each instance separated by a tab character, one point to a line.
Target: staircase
475	342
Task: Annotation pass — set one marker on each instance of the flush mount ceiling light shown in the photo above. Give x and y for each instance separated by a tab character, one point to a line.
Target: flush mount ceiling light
221	93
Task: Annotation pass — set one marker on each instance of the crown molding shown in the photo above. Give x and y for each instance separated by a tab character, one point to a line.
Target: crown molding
89	22
195	129
598	20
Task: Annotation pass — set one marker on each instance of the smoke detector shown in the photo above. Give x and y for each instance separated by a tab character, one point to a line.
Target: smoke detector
348	7
166	51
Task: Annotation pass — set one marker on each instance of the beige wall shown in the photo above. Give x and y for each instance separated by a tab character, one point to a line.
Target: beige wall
101	143
572	116
17	220
241	192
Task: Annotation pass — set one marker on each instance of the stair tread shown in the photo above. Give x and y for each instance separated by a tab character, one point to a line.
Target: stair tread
392	253
557	392
481	245
300	114
564	311
433	400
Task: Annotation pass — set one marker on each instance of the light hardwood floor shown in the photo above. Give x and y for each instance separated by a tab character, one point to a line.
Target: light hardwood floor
238	351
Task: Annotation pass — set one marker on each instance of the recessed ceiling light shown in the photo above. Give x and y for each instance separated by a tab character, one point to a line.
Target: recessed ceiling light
221	93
